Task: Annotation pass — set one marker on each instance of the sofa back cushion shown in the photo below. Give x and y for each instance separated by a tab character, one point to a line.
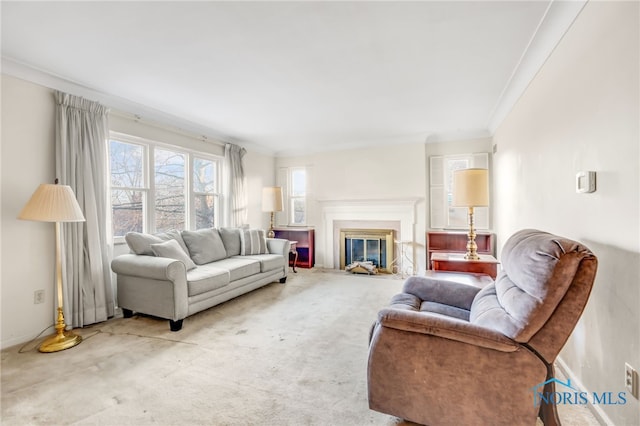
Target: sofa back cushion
140	243
172	250
252	241
231	240
205	245
538	269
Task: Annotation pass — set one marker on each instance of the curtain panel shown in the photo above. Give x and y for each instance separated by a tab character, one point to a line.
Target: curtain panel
236	206
82	132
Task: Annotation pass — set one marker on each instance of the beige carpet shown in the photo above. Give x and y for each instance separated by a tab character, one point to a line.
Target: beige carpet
292	354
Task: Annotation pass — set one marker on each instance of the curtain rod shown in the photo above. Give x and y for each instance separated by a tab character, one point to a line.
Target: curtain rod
168	127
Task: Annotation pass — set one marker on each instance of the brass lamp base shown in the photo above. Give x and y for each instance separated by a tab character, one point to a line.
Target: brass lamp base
59	342
62	339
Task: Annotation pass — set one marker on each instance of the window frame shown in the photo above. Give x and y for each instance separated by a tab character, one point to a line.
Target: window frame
291	198
442	214
149	194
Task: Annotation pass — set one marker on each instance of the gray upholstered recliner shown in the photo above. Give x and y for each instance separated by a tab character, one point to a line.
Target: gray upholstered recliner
446	353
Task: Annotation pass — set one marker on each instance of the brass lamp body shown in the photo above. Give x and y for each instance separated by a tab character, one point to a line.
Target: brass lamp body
472	247
271	233
62	339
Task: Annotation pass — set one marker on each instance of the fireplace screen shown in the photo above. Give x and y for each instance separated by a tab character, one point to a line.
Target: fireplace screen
367	245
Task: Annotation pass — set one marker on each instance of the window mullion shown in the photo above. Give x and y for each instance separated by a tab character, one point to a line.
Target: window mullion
189	199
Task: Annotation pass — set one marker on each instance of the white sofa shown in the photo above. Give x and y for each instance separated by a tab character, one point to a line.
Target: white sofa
175	274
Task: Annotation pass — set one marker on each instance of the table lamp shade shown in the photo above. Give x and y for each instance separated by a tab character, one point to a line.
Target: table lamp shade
272	199
52	203
471	188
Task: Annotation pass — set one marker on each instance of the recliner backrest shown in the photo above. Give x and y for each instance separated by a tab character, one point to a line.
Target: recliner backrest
538	272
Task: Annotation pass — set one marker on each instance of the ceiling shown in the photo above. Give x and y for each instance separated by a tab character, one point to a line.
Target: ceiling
293	77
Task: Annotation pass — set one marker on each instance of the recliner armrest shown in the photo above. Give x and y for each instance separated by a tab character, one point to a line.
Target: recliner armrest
447	292
445	327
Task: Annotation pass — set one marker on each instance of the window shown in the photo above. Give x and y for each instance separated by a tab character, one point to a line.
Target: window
205	179
297	196
443	215
128	187
181	187
169	195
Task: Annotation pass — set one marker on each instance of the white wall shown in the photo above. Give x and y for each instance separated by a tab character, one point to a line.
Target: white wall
260	171
28	248
378	173
582	113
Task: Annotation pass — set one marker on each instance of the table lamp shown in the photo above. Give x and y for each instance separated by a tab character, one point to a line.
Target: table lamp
55	203
272	202
471	189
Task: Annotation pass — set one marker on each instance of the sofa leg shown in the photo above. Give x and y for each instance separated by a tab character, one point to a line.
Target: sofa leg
283	280
127	313
175	325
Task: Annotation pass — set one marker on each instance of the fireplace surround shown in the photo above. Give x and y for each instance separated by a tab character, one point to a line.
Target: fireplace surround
396	214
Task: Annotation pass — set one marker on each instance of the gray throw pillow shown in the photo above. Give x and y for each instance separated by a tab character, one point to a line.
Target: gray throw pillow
172	250
252	241
140	243
205	245
231	239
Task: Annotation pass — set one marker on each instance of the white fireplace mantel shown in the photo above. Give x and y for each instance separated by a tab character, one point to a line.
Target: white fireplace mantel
401	210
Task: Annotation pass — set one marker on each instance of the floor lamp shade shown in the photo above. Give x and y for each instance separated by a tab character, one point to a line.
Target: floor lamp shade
471	189
55	203
52	203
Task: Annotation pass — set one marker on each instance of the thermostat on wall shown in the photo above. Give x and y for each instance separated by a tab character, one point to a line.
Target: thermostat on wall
585	182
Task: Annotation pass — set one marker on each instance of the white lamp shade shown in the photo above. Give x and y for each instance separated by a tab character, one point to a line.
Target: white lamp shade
272	199
52	203
471	188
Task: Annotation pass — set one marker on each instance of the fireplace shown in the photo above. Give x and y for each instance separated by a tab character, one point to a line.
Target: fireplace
367	245
396	214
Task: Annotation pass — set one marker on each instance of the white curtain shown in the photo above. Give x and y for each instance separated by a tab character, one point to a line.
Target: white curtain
236	206
82	131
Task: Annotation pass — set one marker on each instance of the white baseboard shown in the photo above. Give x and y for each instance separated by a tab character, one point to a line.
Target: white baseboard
599	414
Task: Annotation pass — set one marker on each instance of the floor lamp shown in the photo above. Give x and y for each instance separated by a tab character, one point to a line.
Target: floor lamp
55	203
471	189
272	202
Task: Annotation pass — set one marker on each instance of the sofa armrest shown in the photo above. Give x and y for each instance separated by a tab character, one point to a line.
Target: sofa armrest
443	291
159	268
279	246
445	327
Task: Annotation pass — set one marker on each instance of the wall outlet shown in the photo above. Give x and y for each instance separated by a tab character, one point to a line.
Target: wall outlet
38	297
631	380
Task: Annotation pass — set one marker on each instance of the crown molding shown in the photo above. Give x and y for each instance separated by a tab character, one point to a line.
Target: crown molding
555	23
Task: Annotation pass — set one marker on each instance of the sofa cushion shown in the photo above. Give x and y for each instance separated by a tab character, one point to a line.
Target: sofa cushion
239	267
268	262
205	245
206	278
252	241
172	250
140	243
231	240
